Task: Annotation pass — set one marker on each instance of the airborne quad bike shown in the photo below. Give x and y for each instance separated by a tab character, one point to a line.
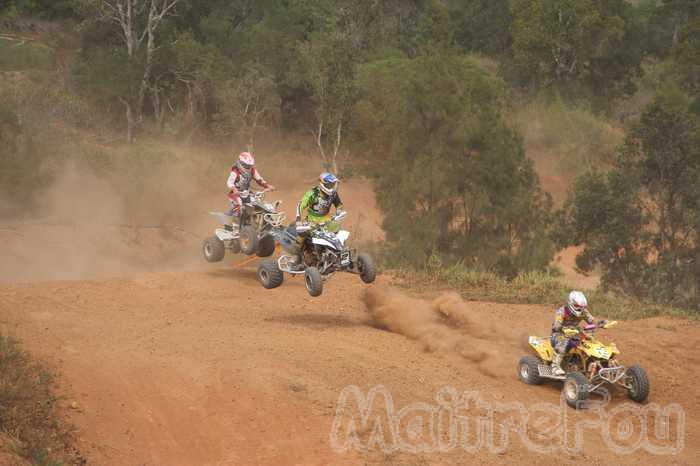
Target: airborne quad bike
258	220
589	365
323	253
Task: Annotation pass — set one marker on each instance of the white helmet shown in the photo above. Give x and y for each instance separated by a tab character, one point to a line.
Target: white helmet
577	303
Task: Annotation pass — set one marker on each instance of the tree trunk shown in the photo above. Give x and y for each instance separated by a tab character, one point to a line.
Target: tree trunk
158	108
150	50
127	15
336	148
318	136
129	121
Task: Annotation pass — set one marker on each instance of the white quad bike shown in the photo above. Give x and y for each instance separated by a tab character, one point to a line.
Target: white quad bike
258	220
323	253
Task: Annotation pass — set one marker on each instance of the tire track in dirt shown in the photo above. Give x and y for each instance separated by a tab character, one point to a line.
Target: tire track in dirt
206	367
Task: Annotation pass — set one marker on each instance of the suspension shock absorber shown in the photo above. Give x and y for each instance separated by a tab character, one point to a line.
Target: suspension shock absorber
592	368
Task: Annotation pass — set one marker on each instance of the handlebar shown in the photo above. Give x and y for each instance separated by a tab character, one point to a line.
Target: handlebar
254	195
307	226
589	328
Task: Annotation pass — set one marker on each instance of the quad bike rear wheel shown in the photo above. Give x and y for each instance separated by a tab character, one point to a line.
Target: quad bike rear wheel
365	264
576	389
528	370
266	246
213	249
269	274
638	390
313	281
248	240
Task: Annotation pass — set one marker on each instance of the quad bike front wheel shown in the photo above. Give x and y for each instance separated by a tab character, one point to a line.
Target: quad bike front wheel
269	274
365	264
313	281
266	246
638	384
528	370
576	389
248	240
213	249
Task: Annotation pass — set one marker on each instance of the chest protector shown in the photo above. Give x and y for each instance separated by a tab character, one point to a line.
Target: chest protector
321	205
566	319
245	177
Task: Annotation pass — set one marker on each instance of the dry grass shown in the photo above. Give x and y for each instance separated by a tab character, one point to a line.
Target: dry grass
29	423
565	142
530	287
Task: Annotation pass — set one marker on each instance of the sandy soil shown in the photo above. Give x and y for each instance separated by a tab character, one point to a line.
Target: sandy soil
170	361
205	367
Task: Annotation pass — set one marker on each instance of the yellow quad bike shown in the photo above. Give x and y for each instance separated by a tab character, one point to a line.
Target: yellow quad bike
588	365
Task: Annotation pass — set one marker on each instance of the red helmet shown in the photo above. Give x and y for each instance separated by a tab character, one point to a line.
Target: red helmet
246	160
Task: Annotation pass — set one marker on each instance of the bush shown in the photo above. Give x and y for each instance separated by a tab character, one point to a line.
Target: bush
18	55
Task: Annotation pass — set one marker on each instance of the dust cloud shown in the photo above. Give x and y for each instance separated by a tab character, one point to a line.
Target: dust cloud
130	214
89	225
447	325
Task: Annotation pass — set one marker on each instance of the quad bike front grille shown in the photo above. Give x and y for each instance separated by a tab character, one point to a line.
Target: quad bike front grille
276	220
285	262
611	374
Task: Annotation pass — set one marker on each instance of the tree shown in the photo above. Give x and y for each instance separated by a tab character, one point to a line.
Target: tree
327	69
482	25
136	21
677	14
246	104
641	222
192	67
686	57
580	48
451	176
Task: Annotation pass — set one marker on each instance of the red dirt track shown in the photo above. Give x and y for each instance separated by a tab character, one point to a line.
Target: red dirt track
205	367
170	361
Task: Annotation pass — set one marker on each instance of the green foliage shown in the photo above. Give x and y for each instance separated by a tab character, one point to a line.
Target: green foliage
640	223
21	55
581	48
482	25
452	177
665	21
45	8
107	75
247	104
686	57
